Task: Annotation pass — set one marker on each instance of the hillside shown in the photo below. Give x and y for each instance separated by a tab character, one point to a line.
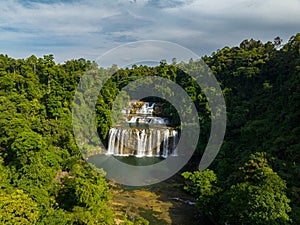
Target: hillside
44	178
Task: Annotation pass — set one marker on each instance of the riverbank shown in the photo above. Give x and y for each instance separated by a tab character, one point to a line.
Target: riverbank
161	204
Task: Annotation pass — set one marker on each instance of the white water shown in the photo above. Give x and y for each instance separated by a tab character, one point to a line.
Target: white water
148	120
159	141
147	108
143	142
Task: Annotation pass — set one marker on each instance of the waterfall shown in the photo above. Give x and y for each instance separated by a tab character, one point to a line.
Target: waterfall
158	143
111	142
159	140
150	150
149	142
166	144
174	147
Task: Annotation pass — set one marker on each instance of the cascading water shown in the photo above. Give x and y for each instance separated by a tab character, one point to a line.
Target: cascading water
159	140
142	142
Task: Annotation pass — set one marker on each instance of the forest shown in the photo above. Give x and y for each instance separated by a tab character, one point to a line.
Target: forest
44	178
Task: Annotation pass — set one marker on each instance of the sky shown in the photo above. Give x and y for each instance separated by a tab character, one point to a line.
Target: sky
73	29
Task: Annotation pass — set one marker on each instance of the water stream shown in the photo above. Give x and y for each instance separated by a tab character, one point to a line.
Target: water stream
143	135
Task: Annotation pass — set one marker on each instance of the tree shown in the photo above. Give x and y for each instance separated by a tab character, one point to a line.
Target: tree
55	217
259	197
85	194
25	145
17	208
204	186
4	175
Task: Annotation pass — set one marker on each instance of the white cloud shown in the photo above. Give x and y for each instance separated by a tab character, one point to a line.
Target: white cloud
86	28
61	18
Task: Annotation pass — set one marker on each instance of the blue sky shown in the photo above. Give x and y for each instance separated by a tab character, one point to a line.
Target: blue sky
85	28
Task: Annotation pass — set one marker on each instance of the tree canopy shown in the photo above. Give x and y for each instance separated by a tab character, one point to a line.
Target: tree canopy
254	179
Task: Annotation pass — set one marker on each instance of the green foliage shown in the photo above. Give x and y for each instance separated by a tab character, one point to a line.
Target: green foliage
91	216
41	168
54	217
4	175
85	194
37	146
262	83
259	196
25	146
203	185
17	208
256	204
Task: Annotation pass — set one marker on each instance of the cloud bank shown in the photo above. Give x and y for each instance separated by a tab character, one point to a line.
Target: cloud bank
85	28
